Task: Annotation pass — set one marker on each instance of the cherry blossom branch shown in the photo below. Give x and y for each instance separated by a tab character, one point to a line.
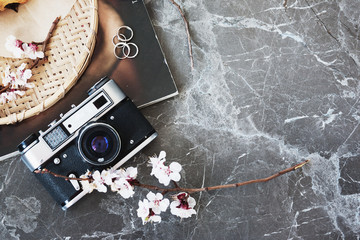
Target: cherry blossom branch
192	190
187	31
188	190
45	42
123	182
14	83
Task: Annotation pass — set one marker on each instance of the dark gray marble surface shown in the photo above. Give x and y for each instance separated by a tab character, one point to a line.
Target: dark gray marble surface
272	86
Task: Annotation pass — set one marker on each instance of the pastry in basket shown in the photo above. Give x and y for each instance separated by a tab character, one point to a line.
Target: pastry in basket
11	4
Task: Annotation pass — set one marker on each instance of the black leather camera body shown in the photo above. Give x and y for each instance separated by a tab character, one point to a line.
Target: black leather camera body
104	131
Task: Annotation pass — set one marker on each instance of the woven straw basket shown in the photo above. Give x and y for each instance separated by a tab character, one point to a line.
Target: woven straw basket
69	51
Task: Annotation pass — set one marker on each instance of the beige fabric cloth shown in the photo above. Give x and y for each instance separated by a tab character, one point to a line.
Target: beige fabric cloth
32	22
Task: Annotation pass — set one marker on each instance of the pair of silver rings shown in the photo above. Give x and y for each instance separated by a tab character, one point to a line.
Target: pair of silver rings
122	47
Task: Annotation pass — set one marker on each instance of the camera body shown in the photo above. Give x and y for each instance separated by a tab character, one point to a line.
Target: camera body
104	131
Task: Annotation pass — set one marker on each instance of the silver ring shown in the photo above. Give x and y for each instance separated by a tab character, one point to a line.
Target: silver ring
118	40
136	52
122	46
122	37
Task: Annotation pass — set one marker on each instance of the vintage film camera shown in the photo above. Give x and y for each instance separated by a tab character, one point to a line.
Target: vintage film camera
103	131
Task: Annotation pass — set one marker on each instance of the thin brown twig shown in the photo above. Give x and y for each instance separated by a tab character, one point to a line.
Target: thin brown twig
175	183
46	171
285	4
187	31
190	190
4	89
45	42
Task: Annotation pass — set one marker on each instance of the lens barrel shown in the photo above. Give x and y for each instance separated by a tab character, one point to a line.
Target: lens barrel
99	143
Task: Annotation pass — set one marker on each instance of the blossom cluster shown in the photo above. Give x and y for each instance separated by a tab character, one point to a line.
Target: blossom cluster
122	181
118	180
150	208
20	49
16	82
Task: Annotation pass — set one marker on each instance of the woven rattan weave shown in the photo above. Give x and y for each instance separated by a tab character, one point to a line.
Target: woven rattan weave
69	51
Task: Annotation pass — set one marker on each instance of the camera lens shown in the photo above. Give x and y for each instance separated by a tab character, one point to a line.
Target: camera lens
99	143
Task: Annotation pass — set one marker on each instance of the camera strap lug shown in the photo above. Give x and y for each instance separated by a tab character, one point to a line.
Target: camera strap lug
75	183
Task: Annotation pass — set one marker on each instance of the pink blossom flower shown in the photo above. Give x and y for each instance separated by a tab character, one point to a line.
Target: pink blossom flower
157	203
97	183
10	96
118	180
129	174
99	180
123	187
14	46
87	186
157	162
16	81
122	182
183	205
165	173
30	51
152	206
20	49
146	213
111	175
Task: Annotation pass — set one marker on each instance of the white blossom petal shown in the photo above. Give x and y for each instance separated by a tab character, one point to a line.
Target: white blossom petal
87	186
164	204
175	176
99	181
40	55
111	175
175	167
191	202
155	218
101	188
143	210
151	196
162	155
96	175
163	179
131	173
